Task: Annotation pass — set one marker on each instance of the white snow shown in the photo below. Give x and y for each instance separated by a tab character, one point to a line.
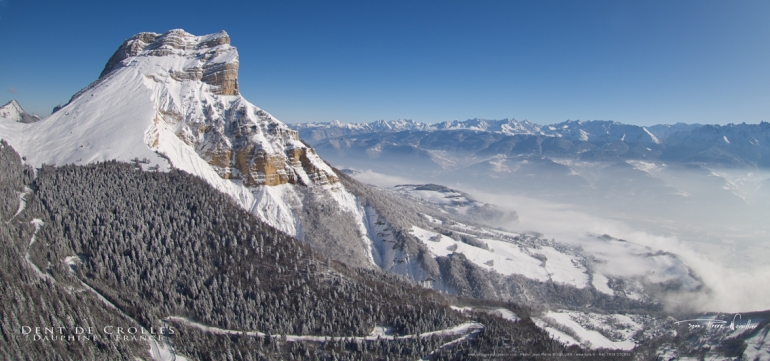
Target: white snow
432	219
564	268
38	223
561	336
107	122
272	204
145	108
507	258
758	346
11	111
652	136
22	203
583	135
381	331
507	314
592	338
648	167
556	334
461	309
600	283
71	260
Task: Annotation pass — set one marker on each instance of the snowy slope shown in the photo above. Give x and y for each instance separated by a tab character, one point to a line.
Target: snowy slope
171	101
510	258
593	330
601	266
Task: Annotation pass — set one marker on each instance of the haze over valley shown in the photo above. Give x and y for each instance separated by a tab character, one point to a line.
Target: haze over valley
152	209
706	203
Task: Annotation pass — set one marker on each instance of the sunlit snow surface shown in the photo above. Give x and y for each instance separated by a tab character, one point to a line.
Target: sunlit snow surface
145	110
593	330
508	258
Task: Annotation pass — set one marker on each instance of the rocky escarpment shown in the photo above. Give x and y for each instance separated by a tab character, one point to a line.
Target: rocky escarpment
238	140
230	145
208	49
171	101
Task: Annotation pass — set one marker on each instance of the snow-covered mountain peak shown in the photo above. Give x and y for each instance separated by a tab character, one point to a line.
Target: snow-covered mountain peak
183	56
171	100
12	111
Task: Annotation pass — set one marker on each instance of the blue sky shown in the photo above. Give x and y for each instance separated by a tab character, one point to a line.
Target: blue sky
639	62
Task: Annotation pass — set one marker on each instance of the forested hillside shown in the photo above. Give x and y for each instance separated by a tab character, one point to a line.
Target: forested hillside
110	244
30	298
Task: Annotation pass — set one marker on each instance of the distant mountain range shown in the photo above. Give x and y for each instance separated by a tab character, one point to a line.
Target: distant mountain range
731	145
159	197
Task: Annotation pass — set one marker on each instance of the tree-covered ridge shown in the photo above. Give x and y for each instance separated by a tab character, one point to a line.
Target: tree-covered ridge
162	244
29	300
167	244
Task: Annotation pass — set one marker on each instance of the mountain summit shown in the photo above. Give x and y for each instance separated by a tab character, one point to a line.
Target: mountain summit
212	60
171	101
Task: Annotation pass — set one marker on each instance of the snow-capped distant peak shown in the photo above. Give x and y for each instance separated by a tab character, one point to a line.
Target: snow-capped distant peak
584	135
12	111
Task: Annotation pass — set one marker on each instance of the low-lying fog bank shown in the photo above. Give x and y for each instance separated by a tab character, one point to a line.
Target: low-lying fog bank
712	219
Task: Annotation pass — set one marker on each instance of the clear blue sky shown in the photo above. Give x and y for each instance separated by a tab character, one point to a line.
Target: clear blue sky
639	62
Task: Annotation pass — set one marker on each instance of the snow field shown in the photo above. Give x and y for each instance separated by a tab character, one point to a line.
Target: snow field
508	259
585	325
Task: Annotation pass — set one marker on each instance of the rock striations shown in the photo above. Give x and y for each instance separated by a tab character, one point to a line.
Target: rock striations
172	100
210	66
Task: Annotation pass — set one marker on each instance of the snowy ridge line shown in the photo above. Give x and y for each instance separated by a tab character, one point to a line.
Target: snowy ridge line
464	329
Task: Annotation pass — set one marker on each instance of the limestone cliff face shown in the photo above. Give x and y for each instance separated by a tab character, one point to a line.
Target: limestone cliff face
172	101
212	68
236	148
195	85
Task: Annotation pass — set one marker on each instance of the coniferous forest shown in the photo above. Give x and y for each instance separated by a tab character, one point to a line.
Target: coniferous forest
110	244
